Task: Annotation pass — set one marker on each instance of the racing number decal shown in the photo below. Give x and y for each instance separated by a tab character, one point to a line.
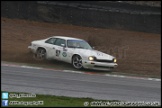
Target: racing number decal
57	52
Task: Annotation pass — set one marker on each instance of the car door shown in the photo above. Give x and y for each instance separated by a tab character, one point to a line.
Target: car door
60	53
66	56
49	44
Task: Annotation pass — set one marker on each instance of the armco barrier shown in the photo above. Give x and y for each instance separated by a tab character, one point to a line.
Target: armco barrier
87	13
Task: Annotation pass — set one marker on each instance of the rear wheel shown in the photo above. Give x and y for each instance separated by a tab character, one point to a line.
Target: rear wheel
41	54
77	62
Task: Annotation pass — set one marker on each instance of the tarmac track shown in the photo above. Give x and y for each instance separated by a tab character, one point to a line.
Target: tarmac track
78	84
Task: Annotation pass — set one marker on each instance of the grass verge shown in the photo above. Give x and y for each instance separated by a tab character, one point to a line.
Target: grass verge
48	100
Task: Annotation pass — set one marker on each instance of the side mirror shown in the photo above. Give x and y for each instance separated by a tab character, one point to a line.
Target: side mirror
63	45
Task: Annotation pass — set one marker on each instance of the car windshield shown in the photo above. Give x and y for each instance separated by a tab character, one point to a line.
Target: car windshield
78	44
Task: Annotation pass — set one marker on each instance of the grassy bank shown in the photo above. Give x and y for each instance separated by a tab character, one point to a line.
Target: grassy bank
49	101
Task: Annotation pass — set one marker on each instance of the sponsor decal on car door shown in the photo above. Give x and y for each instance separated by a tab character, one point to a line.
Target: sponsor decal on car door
61	53
64	56
58	53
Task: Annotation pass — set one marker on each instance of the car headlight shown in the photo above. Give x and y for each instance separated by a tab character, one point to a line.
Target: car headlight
91	58
115	60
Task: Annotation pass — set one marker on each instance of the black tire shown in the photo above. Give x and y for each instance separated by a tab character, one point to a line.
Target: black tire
40	54
77	62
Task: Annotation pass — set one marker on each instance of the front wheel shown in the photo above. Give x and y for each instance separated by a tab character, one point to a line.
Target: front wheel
77	62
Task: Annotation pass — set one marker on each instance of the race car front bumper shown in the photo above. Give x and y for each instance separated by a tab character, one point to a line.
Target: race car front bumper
99	65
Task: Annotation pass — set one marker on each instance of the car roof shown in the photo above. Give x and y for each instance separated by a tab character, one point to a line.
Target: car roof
66	38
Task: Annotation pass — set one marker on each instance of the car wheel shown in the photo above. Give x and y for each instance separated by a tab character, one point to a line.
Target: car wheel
41	54
77	62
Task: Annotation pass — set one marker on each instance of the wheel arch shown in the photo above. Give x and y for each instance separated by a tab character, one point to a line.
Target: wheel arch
41	48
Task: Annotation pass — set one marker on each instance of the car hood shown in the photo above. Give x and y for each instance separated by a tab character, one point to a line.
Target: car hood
39	41
98	54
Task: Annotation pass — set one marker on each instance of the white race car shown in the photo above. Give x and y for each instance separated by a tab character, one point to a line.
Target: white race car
72	50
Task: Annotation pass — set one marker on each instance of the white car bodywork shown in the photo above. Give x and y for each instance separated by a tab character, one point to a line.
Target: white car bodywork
89	58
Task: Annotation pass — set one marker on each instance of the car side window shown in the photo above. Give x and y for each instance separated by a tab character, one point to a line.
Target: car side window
51	41
59	42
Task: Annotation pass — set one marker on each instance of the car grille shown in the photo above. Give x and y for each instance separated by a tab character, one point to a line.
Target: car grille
107	61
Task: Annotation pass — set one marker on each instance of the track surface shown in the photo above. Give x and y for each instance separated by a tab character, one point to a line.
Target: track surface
60	83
